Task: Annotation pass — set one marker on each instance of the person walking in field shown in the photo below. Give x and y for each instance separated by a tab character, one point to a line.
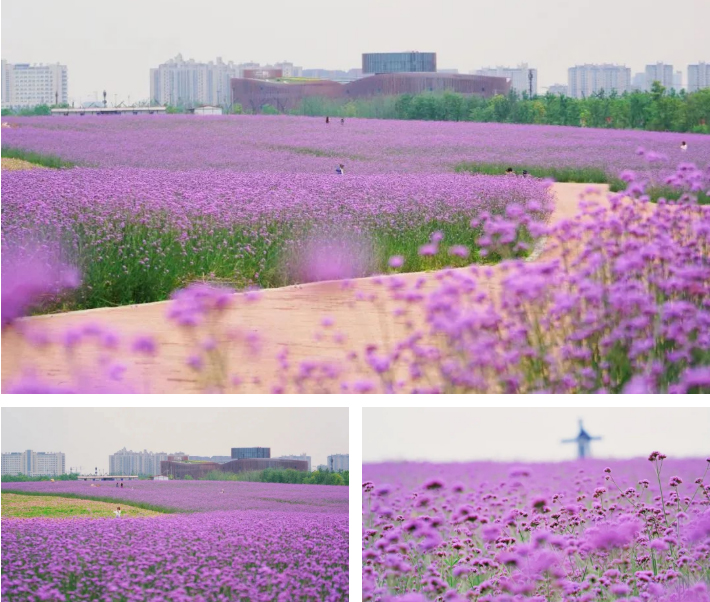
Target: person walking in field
683	146
121	484
327	120
342	121
340	170
117	512
509	172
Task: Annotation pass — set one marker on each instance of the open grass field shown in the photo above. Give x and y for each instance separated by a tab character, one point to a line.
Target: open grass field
16	505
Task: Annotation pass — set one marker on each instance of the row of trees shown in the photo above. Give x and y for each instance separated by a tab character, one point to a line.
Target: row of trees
659	109
21	478
279	475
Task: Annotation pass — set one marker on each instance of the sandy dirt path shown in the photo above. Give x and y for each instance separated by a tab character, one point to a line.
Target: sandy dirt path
282	318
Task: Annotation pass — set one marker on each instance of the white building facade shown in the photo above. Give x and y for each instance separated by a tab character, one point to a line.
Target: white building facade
25	85
338	462
126	462
660	72
301	457
585	80
698	76
33	464
519	76
178	82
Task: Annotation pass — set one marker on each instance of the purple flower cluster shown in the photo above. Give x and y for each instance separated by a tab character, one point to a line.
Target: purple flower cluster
254	541
497	532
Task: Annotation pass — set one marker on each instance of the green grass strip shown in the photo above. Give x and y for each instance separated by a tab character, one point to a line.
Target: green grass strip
99	498
51	161
580	175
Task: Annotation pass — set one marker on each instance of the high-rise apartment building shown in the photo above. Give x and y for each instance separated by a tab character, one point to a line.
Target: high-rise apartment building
585	80
130	463
25	85
188	83
660	72
698	76
338	462
301	457
519	76
33	464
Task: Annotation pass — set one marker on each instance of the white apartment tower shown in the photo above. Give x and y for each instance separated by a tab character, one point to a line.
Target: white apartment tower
698	76
187	83
338	462
519	76
660	72
33	464
585	80
125	462
301	457
25	85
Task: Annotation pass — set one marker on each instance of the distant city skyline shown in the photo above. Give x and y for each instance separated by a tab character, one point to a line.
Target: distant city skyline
530	434
88	436
114	51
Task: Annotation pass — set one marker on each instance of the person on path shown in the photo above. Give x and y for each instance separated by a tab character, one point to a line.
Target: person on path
683	146
117	512
340	170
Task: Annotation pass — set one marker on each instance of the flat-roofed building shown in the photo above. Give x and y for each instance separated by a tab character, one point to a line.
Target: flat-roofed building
585	80
698	76
338	462
659	72
398	62
126	462
33	464
25	85
241	453
303	457
519	76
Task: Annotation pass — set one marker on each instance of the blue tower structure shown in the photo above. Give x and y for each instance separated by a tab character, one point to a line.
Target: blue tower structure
582	440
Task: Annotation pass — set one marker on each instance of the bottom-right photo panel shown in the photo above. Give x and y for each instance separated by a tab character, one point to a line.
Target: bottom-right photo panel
533	505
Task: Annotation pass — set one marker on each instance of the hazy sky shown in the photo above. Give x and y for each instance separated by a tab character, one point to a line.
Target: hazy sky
89	435
455	434
112	46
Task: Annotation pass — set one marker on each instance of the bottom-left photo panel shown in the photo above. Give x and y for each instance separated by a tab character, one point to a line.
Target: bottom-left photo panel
179	504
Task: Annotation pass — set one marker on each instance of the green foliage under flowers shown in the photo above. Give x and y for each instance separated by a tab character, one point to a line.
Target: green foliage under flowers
36	158
278	475
582	175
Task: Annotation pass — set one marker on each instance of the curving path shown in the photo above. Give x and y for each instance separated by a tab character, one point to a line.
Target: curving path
283	318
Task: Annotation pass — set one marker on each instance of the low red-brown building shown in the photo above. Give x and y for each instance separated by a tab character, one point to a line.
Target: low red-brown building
253	94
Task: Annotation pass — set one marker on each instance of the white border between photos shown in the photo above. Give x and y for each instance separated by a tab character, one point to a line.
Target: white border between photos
356	403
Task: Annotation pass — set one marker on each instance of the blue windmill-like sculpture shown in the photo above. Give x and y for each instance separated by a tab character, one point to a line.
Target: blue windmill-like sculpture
582	440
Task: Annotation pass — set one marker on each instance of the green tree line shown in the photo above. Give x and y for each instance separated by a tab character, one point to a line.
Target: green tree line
280	475
659	109
21	478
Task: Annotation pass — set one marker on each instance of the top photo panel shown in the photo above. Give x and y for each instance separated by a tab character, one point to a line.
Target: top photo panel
314	201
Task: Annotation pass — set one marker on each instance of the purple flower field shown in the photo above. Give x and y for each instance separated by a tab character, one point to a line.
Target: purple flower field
205	496
255	541
305	145
633	530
